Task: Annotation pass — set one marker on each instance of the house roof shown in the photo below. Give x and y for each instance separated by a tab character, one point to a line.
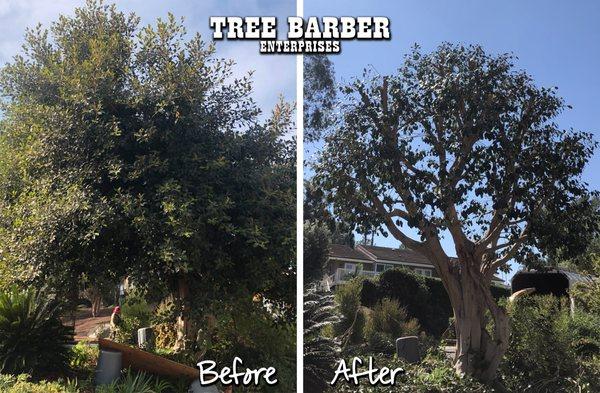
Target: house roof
344	251
377	253
395	254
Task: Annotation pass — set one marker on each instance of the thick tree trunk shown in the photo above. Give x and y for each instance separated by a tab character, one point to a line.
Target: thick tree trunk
482	328
184	324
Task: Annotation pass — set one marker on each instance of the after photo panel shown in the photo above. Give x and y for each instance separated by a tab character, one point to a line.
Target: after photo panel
451	201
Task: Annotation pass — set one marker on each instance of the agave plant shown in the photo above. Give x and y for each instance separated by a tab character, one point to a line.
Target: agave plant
135	383
32	337
320	352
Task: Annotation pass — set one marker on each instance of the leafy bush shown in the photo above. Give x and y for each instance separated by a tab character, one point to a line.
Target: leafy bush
163	322
585	329
587	296
165	335
388	321
165	311
250	331
32	336
22	384
84	357
352	322
540	354
424	298
433	374
136	313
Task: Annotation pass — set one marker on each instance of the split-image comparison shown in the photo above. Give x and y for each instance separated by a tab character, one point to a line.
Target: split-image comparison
149	205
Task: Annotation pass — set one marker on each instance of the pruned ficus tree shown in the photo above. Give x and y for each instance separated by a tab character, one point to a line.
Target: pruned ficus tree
459	143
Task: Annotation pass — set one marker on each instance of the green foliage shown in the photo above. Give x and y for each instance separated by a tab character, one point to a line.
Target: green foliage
84	357
551	351
585	329
587	296
135	383
320	351
22	384
388	321
319	95
347	297
136	313
252	331
163	322
165	311
433	374
134	150
424	298
316	250
32	336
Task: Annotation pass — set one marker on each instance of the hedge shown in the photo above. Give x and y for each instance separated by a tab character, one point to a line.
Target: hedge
424	297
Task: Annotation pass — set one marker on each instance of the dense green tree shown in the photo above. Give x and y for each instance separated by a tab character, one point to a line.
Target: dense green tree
320	95
460	143
135	151
317	240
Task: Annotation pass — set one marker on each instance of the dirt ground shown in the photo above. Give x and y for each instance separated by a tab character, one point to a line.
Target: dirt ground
85	323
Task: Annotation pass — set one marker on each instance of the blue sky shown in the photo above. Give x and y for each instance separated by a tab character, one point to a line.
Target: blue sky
558	42
273	76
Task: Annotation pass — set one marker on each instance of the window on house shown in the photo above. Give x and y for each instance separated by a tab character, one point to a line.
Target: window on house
424	272
382	267
354	267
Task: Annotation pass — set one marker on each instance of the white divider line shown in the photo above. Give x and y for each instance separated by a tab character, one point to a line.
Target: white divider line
299	212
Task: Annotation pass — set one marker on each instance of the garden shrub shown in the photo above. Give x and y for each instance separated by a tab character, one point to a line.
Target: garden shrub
424	298
84	357
165	335
387	322
32	337
22	384
249	331
434	374
540	354
135	382
163	322
587	296
585	328
165	311
347	297
136	313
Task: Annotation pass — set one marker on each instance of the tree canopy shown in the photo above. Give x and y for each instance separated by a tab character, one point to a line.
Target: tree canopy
460	143
128	149
458	140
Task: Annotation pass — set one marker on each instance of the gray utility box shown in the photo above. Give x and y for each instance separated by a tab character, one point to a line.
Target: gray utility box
407	348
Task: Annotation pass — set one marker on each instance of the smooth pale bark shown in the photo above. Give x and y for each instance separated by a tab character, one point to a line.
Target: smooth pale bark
482	327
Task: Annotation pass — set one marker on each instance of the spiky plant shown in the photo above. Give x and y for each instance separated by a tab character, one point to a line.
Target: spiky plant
32	337
320	352
136	383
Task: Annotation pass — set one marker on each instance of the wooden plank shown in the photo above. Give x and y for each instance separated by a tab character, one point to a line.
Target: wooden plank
149	362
